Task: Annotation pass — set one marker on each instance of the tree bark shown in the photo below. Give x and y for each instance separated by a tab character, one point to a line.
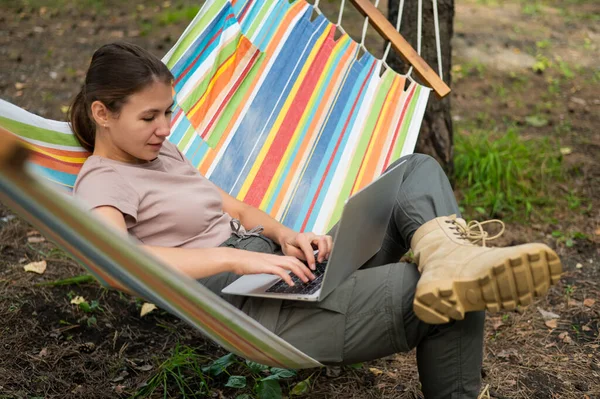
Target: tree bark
436	134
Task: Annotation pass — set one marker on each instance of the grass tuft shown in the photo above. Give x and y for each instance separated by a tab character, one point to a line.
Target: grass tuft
504	175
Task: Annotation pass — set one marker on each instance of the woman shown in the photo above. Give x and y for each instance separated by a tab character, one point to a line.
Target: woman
141	183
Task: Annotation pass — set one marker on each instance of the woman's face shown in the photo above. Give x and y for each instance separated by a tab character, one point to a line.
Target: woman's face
136	134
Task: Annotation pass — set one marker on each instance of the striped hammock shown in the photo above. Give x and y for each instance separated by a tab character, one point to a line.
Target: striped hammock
271	107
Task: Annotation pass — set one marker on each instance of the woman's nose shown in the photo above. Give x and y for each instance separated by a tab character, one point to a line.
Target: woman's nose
165	127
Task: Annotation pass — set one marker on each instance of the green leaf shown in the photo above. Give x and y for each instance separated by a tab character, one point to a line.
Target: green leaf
301	388
255	367
569	243
85	307
269	389
91	321
219	365
283	373
480	210
236	381
243	396
557	233
536	121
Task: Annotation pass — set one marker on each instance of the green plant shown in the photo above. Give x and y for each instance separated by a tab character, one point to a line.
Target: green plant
172	17
189	374
504	174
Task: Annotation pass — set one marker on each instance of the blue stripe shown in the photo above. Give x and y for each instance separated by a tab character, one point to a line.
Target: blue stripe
323	149
264	110
304	132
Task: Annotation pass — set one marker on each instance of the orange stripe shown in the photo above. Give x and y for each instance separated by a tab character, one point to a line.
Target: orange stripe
370	166
224	80
283	26
313	127
51	163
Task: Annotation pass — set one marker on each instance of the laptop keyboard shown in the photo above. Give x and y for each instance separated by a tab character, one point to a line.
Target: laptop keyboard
300	287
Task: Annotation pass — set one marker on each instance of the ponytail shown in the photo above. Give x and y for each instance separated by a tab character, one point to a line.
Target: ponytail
81	124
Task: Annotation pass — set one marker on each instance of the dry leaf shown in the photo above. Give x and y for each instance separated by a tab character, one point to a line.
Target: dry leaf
566	150
64	109
597	232
548	315
77	300
20	86
585	328
36	267
552	323
43	352
147	308
35	240
375	370
496	322
589	302
33	233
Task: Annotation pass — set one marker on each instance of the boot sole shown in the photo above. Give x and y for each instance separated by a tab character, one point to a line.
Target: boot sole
514	282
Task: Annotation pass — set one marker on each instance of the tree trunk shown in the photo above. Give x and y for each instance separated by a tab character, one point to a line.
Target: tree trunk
436	134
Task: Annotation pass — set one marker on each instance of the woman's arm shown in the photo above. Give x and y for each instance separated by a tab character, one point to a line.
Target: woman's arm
203	262
291	242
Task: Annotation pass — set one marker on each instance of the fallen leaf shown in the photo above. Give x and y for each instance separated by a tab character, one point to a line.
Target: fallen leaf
33	233
597	232
506	353
589	302
77	300
579	266
585	328
43	352
511	382
536	121
375	370
145	367
552	323
35	240
36	267
20	86
496	322
573	302
566	150
551	345
147	308
19	93
548	315
64	109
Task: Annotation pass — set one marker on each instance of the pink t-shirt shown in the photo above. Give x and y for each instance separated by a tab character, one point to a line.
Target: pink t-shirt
166	202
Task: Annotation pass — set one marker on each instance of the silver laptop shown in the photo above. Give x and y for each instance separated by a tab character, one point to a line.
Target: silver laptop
359	236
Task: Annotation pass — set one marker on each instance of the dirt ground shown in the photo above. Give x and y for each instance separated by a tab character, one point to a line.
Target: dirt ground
531	64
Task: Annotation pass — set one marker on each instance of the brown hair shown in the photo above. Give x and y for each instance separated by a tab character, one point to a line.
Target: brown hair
117	71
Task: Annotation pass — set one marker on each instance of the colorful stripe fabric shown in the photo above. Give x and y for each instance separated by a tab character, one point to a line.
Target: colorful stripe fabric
271	107
116	258
283	116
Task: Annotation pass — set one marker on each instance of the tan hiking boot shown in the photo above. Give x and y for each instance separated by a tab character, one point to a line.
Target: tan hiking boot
458	276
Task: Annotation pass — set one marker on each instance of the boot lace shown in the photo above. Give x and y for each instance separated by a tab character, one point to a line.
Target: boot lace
474	232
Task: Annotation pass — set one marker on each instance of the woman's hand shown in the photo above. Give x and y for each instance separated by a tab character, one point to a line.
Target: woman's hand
302	246
249	262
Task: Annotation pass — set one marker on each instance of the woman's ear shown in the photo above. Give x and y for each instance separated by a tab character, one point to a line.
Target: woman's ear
100	113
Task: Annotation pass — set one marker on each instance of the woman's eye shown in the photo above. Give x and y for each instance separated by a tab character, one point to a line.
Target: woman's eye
148	119
169	112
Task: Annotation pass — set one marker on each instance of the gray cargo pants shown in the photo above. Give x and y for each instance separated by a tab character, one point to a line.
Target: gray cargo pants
370	315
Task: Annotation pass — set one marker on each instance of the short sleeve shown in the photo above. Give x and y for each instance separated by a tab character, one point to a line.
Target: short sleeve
101	185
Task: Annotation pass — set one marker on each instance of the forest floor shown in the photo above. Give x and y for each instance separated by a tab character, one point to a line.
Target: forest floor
526	84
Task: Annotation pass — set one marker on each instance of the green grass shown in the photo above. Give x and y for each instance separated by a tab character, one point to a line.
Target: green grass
502	175
173	17
188	374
